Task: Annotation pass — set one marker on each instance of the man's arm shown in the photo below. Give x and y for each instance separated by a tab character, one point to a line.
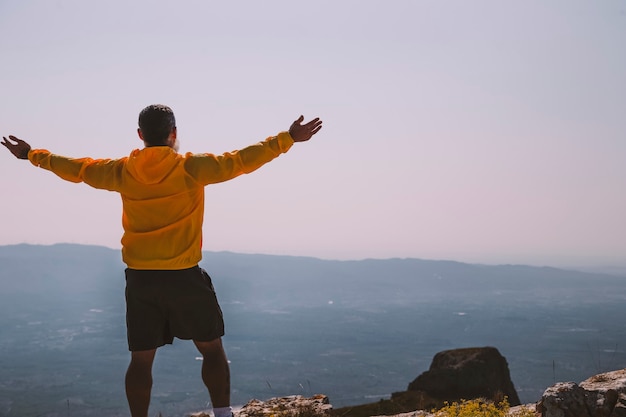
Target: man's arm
20	148
98	173
209	169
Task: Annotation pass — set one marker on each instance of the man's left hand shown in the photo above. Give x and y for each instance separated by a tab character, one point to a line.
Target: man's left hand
303	132
20	148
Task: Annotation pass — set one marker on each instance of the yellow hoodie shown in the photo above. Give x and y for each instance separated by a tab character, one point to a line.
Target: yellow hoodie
162	194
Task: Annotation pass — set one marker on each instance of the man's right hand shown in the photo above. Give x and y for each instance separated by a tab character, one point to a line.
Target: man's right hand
20	148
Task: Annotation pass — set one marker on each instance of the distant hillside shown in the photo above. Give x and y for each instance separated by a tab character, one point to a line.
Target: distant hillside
354	330
289	280
305	280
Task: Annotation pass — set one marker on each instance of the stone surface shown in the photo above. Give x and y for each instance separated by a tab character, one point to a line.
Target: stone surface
602	395
286	406
291	406
468	373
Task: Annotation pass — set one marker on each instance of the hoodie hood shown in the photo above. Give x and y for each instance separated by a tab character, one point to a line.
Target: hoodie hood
151	165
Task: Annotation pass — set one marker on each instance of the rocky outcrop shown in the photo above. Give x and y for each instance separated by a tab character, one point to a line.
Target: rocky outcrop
602	395
465	374
291	406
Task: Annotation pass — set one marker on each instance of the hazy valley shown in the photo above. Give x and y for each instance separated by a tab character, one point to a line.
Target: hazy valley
354	330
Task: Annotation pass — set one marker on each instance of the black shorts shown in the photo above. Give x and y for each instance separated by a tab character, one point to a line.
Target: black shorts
161	305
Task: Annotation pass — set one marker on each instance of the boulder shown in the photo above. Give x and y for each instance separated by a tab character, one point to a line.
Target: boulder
294	405
291	406
468	373
602	395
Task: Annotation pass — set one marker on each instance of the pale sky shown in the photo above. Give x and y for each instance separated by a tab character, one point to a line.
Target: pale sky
476	131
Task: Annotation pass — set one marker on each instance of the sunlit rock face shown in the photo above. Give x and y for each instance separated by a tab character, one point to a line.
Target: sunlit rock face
294	405
602	395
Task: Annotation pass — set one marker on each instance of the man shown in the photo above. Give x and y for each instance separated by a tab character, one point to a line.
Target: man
167	294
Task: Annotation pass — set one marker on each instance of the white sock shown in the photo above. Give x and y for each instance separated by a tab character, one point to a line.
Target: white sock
223	412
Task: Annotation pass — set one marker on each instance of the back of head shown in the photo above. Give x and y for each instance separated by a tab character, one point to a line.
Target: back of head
156	123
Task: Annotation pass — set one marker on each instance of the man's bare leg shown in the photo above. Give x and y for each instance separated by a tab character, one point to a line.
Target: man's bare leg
215	372
139	382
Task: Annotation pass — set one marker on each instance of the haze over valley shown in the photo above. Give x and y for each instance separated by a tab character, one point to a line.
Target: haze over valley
353	330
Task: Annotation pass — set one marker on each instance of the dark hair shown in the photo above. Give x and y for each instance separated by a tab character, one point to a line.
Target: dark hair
156	123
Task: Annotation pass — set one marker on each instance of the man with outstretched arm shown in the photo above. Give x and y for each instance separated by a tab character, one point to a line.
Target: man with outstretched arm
167	294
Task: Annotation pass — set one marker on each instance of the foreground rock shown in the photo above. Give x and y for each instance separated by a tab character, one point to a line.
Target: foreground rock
602	395
291	406
467	373
319	406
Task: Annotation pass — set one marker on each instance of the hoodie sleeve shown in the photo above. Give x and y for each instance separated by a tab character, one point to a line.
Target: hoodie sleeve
98	173
210	169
